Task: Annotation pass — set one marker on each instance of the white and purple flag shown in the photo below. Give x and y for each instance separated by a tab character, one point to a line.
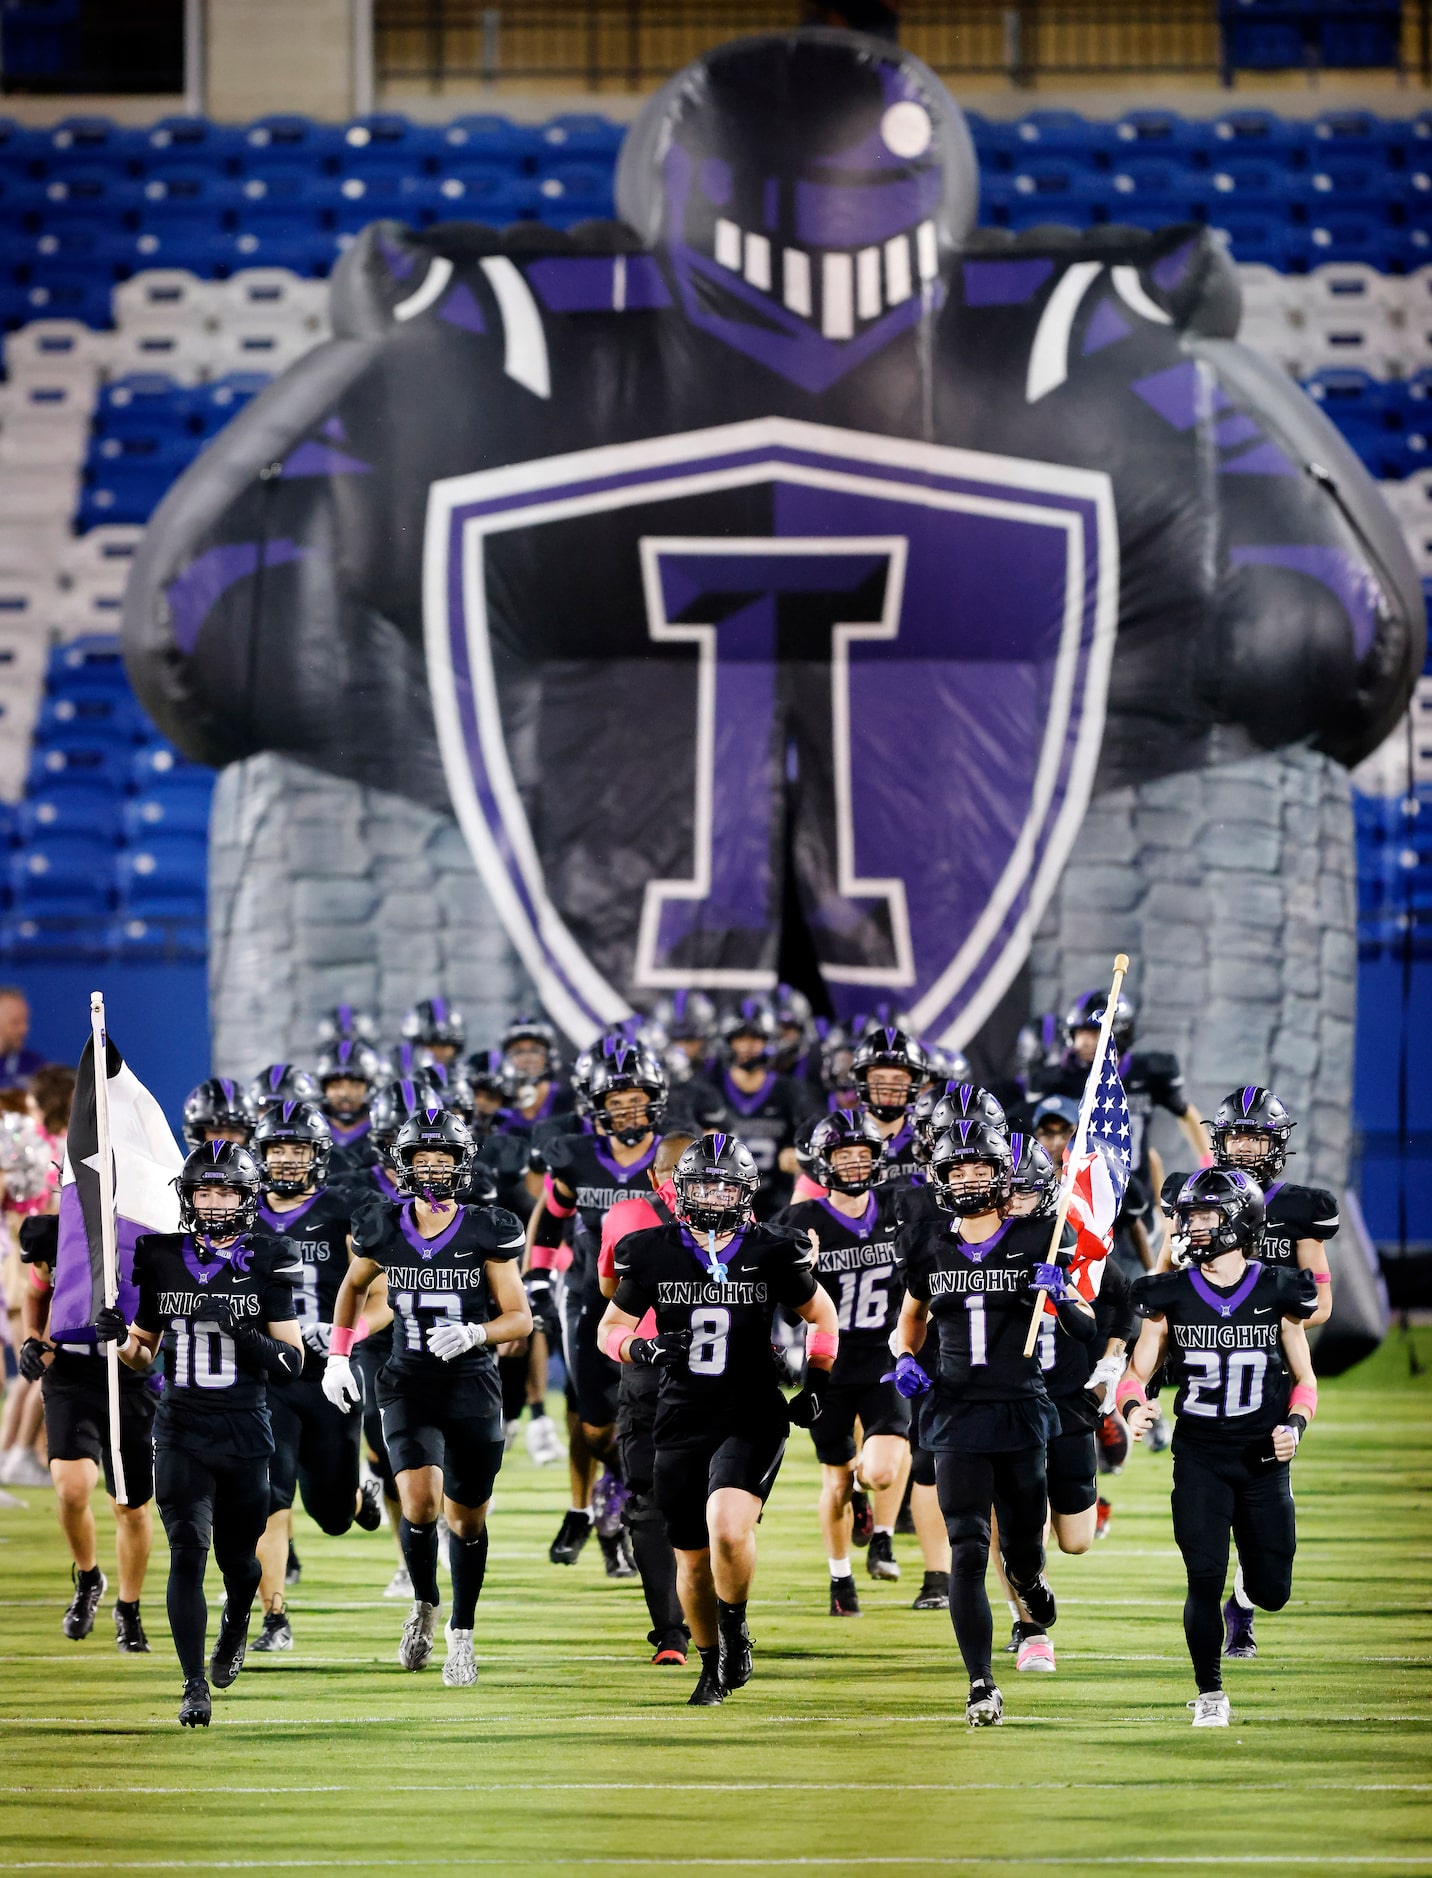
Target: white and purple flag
146	1160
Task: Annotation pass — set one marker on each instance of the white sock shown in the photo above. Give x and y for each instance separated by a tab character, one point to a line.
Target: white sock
1240	1596
582	1512
1014	1611
889	1531
840	1568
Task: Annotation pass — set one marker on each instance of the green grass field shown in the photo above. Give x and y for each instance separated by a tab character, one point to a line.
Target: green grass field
849	1750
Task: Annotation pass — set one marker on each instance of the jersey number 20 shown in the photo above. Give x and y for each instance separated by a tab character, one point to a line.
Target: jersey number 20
1243	1391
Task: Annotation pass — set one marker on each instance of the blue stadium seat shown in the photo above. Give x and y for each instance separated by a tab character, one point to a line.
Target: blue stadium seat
158	765
181	809
70	293
147	404
92	712
91	661
167	451
60	874
575	192
121	496
165	877
179	187
155	940
485	192
578	134
90	814
1155	133
388	139
196	139
81	764
1350	396
490	138
1263	35
287	139
1359	33
89	190
1249	132
25	940
1066	134
221	400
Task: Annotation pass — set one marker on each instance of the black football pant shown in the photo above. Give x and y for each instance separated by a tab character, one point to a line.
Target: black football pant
1215	1494
315	1451
219	1502
969	1485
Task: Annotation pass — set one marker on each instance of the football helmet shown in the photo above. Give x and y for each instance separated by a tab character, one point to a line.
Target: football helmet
449	1088
887	1047
435	1021
837	1078
966	1102
630	1067
219	1164
716	1182
973	1143
284	1082
532	1030
347	1060
1237	1199
218	1103
1253	1110
303	1125
845	1128
429	1130
752	1017
1034	1173
345	1023
390	1108
1087	1013
687	1017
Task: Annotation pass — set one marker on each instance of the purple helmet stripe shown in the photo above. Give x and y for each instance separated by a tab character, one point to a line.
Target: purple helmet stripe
276	1076
410	1094
440	1010
1249	1097
964	1128
345	1016
720	1141
228	1089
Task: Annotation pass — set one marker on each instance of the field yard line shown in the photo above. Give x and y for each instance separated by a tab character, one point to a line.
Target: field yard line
509	1861
1314	1782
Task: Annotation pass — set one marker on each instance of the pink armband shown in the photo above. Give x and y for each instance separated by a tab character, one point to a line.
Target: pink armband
616	1341
822	1343
543	1259
1130	1389
343	1339
1322	1278
1304	1400
1205	1159
557	1208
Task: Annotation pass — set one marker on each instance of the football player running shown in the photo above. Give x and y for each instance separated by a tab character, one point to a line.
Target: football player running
989	1417
457	1297
316	1445
765	1106
1229	1330
715	1278
889	1072
218	1297
854	1228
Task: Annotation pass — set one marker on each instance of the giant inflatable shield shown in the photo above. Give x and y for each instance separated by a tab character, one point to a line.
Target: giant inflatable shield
783	630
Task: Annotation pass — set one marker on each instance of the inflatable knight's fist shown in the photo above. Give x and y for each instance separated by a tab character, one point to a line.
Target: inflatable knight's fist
789	550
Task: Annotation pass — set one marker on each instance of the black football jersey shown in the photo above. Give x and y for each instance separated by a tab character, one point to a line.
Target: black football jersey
555	1128
366	1183
898	1166
586	1167
429	1279
982	1298
1293	1213
1066	1364
317	1229
1225	1352
695	1107
352	1149
212	1386
730	1363
506	1158
857	1265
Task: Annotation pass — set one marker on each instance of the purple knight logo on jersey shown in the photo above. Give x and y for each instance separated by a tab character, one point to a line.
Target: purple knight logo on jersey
674	676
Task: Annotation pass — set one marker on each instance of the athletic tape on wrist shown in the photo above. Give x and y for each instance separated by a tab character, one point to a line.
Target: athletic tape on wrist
1322	1278
1304	1399
1130	1389
822	1343
543	1259
557	1208
343	1339
616	1340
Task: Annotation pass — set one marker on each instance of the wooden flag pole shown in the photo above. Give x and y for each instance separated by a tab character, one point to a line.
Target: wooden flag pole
105	1157
1081	1138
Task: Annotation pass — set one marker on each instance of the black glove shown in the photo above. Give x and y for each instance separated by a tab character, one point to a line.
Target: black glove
111	1326
804	1408
33	1352
219	1311
664	1351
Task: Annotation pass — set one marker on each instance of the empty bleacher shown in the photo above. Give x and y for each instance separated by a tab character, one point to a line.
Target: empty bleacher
154	279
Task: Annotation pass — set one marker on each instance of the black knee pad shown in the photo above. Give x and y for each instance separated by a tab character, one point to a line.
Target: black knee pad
969	1555
641	1511
968	1529
1269	1589
1023	1562
188	1559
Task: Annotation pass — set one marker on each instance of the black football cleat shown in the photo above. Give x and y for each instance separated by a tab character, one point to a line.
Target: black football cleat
616	1554
880	1560
276	1635
934	1593
709	1691
736	1664
78	1620
572	1535
196	1707
862	1518
670	1650
370	1506
293	1570
230	1647
844	1598
129	1631
985	1705
1016	1638
1038	1600
1238	1631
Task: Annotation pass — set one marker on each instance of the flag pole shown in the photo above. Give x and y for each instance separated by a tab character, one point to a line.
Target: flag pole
104	1156
1081	1138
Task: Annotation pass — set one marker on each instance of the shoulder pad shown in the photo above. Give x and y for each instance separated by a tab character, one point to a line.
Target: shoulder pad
1311	1211
372	1222
1297	1290
1161	1063
39	1238
1170	1190
1155	1291
499	1230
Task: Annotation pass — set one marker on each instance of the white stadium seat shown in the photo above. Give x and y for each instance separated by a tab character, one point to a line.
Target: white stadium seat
101	557
184	353
38	494
56	349
164	296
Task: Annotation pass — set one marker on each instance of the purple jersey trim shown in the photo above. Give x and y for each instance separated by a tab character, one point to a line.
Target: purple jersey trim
865	1225
275	1221
622	1173
1226	1302
748	1104
978	1254
426	1248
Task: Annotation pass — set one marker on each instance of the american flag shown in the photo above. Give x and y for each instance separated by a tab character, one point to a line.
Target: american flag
1099	1175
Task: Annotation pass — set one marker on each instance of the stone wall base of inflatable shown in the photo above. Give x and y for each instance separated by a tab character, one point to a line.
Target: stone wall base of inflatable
322	891
1233	890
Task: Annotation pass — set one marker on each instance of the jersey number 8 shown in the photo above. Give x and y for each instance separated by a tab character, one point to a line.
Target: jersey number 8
707	1356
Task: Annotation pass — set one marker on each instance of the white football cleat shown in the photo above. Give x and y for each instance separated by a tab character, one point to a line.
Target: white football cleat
510	1432
400	1585
543	1447
460	1669
416	1645
985	1707
1210	1710
1036	1653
